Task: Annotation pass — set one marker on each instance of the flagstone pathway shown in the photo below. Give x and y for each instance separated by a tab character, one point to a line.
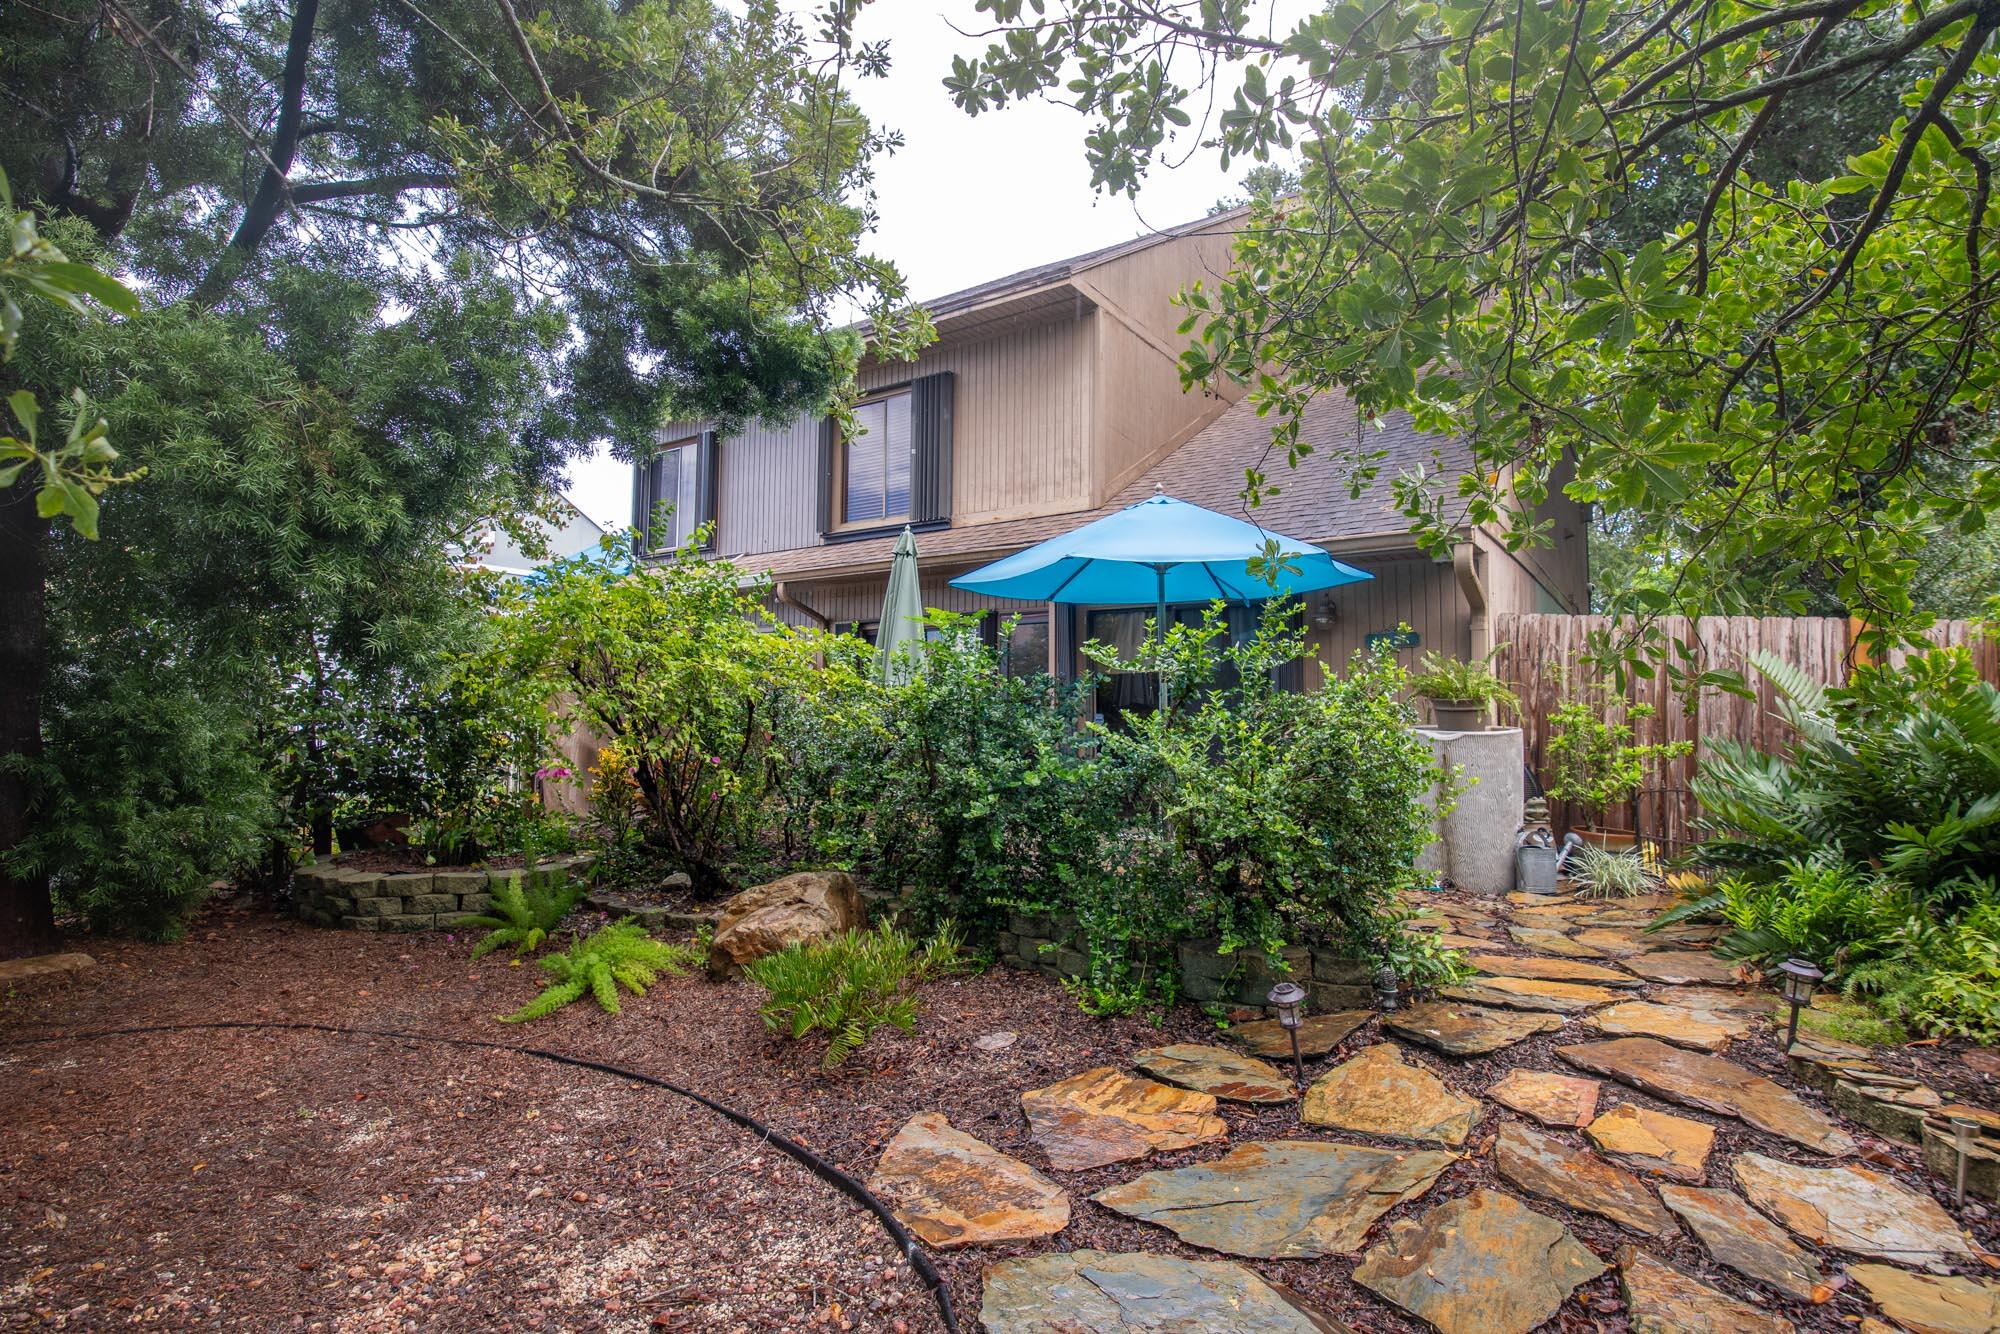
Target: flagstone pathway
1564	1137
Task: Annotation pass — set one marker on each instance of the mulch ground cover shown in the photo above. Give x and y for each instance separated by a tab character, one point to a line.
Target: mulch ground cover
263	1179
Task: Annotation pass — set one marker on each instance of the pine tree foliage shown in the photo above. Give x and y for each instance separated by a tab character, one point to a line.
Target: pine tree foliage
523	914
619	955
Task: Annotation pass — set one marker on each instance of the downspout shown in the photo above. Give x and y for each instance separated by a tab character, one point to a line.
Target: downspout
782	591
1465	563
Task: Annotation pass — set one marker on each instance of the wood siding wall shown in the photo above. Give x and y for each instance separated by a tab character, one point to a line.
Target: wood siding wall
767	495
861	599
1540	647
1407	587
1022	419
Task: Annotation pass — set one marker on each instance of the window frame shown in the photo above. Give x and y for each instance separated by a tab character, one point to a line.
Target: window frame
683	521
837	482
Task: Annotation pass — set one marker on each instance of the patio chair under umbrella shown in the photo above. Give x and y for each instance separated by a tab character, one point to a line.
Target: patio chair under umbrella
1160	550
902	625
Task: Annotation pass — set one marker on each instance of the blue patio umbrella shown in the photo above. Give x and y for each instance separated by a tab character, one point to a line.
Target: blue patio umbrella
1160	550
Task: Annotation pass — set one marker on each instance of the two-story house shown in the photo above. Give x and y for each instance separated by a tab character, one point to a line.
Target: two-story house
1052	397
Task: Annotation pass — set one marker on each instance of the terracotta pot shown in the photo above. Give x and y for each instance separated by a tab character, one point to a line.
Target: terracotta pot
1460	715
1611	840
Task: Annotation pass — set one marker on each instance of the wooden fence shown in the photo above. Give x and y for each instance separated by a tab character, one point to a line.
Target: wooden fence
1540	647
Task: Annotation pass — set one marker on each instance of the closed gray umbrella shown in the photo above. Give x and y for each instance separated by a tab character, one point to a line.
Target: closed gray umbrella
902	627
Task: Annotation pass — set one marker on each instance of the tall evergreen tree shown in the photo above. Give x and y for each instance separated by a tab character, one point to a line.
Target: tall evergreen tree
400	261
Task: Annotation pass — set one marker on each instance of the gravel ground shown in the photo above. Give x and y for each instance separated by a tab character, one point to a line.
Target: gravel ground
280	1180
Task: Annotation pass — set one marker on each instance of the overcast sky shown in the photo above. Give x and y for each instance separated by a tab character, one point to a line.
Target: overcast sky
969	199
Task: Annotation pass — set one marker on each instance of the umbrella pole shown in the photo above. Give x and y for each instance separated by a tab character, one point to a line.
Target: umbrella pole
1160	628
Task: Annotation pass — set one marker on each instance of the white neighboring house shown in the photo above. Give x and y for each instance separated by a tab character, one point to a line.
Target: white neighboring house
576	534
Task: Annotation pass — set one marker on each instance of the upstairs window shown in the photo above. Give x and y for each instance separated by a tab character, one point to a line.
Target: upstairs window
876	460
893	466
680	475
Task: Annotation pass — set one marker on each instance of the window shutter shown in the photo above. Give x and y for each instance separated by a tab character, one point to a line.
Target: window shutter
708	472
930	427
828	436
646	480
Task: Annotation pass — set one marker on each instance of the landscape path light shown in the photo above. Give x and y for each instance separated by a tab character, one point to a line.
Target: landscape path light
1961	1139
1801	977
1288	998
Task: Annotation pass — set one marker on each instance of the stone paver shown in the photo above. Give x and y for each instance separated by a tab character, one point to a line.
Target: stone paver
1282	1200
39	967
1696	1026
1105	1116
1481	1264
1713	1084
1681	967
1467	1030
1555	1100
1746	1241
954	1190
1553	970
1377	1092
1852	1209
1927	1304
1103	1292
1662	1300
1543	1165
1527	993
1228	1075
1318	1034
1548	940
1673	1146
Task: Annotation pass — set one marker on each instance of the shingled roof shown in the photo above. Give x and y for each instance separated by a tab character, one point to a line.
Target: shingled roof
1313	503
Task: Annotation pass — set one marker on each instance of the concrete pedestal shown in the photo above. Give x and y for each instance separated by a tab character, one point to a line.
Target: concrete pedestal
1475	846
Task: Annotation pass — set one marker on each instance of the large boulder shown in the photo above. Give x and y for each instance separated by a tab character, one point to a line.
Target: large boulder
808	905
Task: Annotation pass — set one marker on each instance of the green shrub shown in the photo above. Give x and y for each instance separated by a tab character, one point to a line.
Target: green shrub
1829	911
1600	873
1901	768
851	985
1259	816
1944	977
619	955
148	792
680	665
1590	758
971	790
525	911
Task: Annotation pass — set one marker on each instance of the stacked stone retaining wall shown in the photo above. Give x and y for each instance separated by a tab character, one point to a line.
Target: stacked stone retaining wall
329	894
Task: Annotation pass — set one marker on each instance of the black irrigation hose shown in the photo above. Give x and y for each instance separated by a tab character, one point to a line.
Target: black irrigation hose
919	1262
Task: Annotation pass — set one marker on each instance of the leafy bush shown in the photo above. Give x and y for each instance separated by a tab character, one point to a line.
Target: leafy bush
1822	909
619	955
1600	873
1257	815
525	910
1872	846
970	789
851	985
148	792
1590	758
1901	768
680	666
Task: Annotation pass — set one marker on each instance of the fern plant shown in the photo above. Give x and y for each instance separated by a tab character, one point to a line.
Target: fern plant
523	915
850	986
619	955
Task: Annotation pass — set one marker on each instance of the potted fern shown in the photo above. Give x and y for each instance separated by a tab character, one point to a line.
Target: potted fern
1463	695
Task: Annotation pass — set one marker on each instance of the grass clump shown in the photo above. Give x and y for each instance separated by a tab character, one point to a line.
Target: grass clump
523	915
619	955
853	984
1851	1021
1600	873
